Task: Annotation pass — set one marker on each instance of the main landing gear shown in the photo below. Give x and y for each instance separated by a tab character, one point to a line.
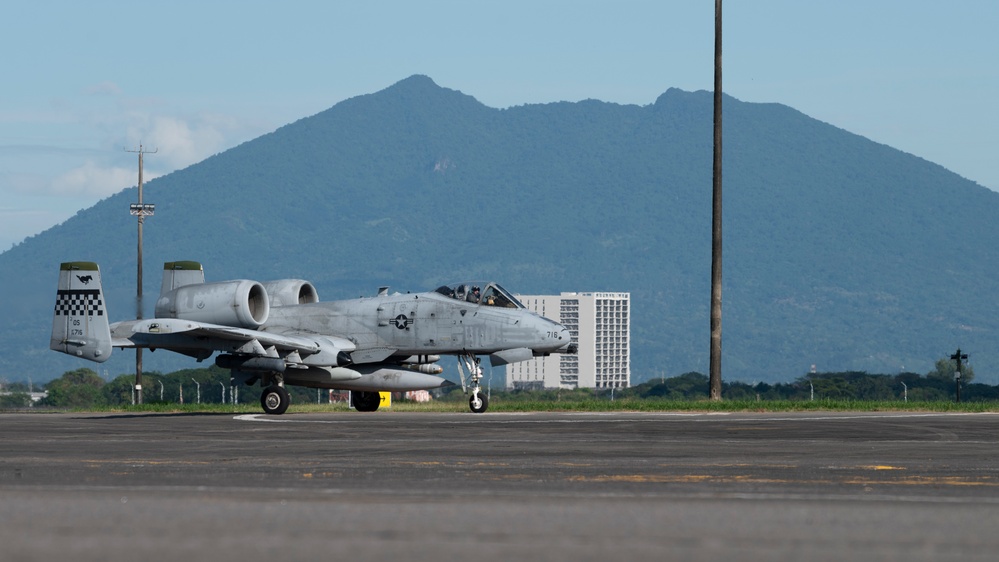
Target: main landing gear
275	399
365	401
478	402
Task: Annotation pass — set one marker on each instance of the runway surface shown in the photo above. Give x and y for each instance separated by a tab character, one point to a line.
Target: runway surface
815	486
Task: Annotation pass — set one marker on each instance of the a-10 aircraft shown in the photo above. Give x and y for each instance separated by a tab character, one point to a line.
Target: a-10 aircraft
278	333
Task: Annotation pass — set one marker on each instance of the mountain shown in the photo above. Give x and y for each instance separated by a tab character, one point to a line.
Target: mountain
839	252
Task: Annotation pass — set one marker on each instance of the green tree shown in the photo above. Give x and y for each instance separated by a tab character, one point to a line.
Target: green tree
119	390
945	368
75	389
15	400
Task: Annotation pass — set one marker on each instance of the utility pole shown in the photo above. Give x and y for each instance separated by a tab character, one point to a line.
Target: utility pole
141	211
715	382
957	374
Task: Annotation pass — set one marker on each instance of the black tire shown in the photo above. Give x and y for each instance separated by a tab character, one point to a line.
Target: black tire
275	400
366	401
483	403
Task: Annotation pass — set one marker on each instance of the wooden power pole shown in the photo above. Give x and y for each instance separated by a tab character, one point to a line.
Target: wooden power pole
957	373
140	210
716	220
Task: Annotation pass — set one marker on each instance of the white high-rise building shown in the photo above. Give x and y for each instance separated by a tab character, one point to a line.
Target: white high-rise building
600	324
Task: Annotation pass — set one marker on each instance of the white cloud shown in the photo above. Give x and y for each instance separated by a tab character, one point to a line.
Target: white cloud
91	179
68	154
106	87
179	140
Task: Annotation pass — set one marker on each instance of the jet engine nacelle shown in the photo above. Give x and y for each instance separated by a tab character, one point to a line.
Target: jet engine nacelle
291	291
240	304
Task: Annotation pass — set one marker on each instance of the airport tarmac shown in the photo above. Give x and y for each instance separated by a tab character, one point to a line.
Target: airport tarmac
540	486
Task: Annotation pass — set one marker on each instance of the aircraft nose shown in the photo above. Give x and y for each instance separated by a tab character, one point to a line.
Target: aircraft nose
565	337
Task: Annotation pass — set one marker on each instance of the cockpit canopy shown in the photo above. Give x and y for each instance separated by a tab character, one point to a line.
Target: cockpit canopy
486	293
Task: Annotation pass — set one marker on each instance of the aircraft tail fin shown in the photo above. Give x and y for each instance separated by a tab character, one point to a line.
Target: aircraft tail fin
179	273
80	323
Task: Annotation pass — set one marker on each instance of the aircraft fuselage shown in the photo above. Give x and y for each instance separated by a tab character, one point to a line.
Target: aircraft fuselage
422	323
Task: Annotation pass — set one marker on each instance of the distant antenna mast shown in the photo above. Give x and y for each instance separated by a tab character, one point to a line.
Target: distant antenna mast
140	210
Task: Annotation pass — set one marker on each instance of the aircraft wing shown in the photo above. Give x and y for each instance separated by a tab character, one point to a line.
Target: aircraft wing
201	339
372	355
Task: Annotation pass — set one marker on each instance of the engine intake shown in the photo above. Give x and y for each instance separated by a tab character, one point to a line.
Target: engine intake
240	304
291	291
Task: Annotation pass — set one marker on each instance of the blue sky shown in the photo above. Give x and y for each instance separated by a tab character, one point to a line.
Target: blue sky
85	80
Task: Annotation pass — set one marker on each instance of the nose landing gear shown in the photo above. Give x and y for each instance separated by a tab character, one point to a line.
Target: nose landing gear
478	402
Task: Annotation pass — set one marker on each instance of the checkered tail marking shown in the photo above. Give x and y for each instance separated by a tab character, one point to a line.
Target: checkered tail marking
79	302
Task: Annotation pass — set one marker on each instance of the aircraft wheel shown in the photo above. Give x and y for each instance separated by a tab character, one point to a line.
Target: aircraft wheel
480	405
366	401
275	400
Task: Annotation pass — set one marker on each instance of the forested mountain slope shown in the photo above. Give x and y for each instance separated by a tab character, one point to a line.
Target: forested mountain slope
839	251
